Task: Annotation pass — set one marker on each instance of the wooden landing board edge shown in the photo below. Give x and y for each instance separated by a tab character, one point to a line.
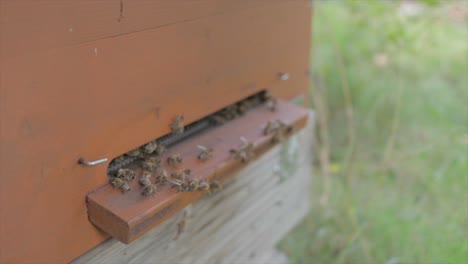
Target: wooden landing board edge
128	216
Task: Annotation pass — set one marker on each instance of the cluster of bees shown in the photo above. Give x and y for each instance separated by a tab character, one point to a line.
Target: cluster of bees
150	155
233	111
154	173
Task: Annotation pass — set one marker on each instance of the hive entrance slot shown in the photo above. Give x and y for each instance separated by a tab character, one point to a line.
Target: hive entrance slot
211	121
130	210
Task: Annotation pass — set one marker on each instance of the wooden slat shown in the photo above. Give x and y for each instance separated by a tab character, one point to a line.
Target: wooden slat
241	224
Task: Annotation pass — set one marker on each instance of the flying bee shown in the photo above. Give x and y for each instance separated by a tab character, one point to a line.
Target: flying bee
152	163
177	126
120	184
174	160
150	147
205	153
149	189
145	179
126	174
244	152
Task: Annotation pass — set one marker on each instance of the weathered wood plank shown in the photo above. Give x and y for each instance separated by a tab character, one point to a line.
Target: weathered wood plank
241	224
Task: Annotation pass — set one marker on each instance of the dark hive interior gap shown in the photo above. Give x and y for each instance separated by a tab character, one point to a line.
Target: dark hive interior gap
211	121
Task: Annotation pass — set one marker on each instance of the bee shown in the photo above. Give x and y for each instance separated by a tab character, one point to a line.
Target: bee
193	185
161	176
215	187
244	152
242	107
182	174
272	104
270	128
210	187
118	159
160	149
178	184
277	136
177	174
126	174
287	129
177	125
206	153
152	163
150	148
120	184
219	119
145	179
174	160
136	153
149	189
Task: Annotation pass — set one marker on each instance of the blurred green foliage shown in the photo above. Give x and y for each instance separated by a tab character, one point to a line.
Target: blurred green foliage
401	196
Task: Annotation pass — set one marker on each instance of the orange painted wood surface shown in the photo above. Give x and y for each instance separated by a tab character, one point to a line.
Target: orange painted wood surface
82	79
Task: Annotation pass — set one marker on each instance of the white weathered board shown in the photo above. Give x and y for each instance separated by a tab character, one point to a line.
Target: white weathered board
240	224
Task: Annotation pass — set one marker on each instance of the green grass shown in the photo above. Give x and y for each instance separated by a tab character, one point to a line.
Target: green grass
399	186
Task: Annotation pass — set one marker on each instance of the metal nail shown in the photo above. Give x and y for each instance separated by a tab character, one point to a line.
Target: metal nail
82	161
284	76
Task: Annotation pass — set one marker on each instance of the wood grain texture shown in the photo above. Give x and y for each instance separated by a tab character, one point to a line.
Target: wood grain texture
241	224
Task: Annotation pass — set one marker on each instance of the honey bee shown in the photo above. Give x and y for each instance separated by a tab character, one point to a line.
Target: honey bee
119	159
206	153
149	189
177	125
178	184
193	185
242	107
244	152
161	176
219	119
286	128
160	149
210	187
272	104
270	128
120	184
277	136
215	186
126	174
182	174
136	153
150	148
152	163
145	179
174	160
